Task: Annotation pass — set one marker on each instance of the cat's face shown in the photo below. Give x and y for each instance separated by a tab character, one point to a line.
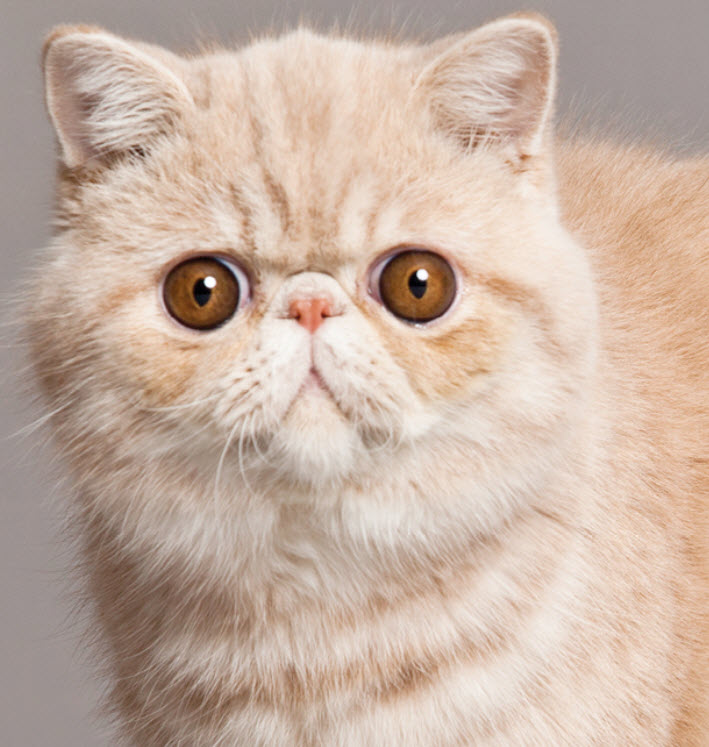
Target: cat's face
305	263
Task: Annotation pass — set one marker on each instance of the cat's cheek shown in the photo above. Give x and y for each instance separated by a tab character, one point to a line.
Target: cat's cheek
159	365
280	360
371	389
449	361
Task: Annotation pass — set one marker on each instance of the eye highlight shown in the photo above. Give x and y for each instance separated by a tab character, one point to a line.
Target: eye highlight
204	292
417	285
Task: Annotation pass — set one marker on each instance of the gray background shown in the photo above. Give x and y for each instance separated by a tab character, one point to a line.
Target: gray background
641	65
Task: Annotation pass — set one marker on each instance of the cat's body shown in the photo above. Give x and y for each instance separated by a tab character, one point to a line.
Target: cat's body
487	529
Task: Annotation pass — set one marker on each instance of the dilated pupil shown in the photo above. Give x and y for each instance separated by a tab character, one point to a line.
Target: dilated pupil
418	282
202	290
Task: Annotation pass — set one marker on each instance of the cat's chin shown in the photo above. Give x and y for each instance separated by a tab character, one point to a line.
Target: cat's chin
314	443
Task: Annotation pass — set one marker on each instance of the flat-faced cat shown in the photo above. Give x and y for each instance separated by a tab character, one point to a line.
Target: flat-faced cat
386	413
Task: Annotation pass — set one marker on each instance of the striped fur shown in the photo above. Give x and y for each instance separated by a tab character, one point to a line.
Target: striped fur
491	530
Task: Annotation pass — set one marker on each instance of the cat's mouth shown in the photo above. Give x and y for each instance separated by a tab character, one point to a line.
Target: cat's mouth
314	406
316	397
315	384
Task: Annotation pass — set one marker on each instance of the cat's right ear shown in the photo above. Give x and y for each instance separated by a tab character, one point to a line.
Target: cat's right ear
106	96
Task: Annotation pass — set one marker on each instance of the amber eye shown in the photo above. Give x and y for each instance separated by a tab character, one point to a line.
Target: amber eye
417	285
203	292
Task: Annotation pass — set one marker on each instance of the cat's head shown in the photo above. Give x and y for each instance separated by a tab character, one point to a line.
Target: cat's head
314	258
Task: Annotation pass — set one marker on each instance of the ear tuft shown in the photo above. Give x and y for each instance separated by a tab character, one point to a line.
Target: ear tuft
496	84
107	96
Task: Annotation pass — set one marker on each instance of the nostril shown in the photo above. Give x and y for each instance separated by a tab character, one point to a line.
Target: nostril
310	312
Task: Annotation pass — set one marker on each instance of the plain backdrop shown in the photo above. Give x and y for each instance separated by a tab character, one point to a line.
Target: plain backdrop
642	66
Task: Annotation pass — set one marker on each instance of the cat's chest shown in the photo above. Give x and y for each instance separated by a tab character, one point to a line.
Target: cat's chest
505	653
466	658
323	645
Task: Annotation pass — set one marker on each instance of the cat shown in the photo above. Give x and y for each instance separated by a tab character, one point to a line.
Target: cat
385	407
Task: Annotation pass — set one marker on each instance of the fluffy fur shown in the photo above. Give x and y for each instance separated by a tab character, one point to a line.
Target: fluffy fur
489	529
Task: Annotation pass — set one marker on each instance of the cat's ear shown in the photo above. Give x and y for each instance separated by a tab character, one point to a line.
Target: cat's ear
106	96
496	84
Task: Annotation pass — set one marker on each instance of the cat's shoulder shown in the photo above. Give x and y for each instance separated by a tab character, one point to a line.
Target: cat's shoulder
643	213
644	190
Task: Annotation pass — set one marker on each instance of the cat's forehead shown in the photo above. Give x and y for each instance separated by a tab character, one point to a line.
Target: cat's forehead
319	140
306	87
303	152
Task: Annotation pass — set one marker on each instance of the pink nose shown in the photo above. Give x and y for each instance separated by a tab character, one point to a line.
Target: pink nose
310	312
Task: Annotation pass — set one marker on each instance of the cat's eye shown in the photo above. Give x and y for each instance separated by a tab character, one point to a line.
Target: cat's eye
204	292
416	285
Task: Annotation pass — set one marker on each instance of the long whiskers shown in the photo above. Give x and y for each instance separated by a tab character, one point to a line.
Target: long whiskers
220	464
183	406
30	428
253	438
242	468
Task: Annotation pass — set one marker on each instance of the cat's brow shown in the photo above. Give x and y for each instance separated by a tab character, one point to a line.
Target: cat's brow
279	198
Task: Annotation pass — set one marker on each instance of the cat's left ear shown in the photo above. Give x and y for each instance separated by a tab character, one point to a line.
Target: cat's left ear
496	85
108	96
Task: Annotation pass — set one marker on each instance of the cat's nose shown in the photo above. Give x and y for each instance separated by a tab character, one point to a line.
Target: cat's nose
310	312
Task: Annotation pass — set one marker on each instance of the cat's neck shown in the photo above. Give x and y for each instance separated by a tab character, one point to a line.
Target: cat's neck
396	528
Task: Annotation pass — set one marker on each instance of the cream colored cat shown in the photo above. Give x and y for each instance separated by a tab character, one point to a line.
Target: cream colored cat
386	415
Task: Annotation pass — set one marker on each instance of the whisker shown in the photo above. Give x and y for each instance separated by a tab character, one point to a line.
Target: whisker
242	469
183	406
220	464
254	440
30	428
